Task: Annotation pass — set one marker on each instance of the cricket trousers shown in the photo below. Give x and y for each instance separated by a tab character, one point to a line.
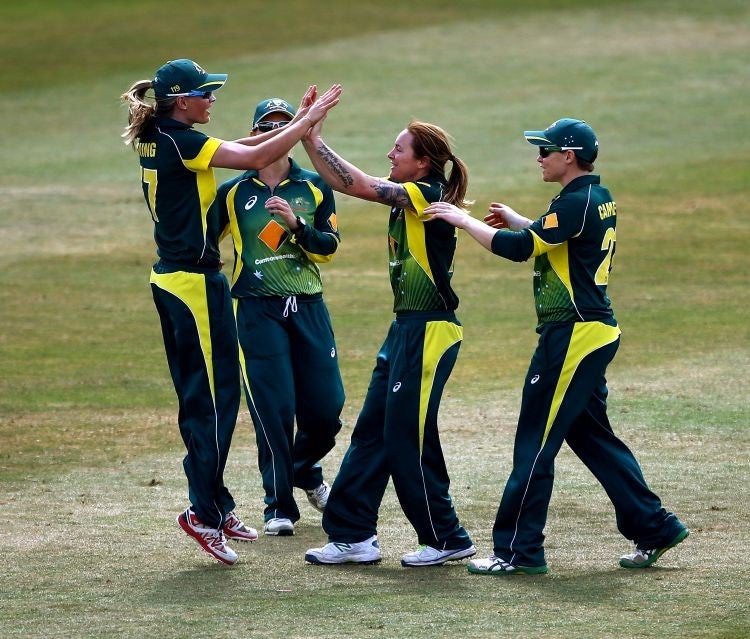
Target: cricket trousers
290	369
200	339
565	399
396	435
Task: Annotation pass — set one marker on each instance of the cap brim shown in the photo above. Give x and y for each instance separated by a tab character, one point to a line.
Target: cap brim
213	82
538	138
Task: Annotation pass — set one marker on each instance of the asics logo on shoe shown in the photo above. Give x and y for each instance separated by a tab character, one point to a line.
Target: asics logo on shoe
251	202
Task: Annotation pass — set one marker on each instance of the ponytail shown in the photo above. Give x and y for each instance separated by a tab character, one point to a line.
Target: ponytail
140	111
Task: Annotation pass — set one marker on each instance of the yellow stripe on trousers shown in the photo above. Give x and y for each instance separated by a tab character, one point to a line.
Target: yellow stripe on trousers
190	288
586	338
439	337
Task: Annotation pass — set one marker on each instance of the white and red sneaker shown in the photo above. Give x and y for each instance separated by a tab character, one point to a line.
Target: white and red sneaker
236	530
211	540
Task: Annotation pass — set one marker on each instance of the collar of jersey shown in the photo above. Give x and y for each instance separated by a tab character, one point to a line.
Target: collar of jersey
580	182
295	173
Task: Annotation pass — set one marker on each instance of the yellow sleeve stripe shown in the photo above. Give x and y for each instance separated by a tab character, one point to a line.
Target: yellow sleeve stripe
415	227
202	161
317	193
317	258
234	228
540	246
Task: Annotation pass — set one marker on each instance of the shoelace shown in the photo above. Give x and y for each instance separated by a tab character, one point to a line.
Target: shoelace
501	563
291	304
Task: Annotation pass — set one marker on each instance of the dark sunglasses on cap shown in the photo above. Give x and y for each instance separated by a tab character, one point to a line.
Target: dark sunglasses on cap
270	126
545	151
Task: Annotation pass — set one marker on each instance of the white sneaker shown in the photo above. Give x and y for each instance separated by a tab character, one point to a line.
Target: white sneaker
318	497
643	558
211	540
363	552
429	556
493	565
279	526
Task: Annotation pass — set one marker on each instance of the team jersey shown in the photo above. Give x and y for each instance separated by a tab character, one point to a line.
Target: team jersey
421	255
180	188
573	244
269	259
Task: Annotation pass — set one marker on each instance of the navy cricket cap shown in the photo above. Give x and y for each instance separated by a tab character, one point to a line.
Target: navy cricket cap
183	77
567	134
272	105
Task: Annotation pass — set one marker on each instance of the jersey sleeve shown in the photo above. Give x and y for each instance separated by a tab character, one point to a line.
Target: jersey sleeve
321	240
197	149
517	246
422	194
563	220
222	207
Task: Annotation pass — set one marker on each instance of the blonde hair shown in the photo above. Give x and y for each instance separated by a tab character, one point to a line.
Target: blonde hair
140	111
432	142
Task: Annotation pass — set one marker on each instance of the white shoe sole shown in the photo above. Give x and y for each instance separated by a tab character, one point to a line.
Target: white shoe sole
314	559
284	532
456	555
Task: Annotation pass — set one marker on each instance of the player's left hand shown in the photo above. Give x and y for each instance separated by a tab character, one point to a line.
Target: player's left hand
448	213
279	206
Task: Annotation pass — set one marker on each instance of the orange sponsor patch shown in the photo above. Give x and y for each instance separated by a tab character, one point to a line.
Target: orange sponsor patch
550	221
272	235
333	221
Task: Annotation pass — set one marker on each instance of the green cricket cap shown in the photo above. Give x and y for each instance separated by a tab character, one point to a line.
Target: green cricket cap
272	105
183	77
567	134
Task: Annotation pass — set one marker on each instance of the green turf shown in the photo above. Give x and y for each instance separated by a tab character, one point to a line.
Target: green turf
90	474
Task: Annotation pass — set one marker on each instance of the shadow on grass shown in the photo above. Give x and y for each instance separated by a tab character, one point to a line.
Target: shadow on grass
214	584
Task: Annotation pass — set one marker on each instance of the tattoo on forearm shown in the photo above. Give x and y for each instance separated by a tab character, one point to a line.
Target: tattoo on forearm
333	161
393	194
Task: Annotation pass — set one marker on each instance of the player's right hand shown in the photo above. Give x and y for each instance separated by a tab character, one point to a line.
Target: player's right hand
324	103
496	218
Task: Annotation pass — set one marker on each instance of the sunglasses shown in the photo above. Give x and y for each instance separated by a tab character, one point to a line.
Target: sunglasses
206	95
544	151
270	126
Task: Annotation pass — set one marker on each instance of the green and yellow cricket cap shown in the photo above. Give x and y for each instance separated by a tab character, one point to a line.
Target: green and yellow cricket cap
567	134
184	78
272	105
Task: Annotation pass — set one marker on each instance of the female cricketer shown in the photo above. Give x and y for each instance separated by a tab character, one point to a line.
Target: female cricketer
396	434
283	222
565	393
190	292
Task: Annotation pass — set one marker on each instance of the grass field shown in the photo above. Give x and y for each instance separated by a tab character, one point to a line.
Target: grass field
90	472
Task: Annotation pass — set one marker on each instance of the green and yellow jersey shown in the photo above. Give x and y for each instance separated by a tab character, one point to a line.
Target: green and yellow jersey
180	188
421	255
270	260
573	244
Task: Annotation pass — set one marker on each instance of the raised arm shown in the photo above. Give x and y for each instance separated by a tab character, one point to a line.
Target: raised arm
240	155
344	177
